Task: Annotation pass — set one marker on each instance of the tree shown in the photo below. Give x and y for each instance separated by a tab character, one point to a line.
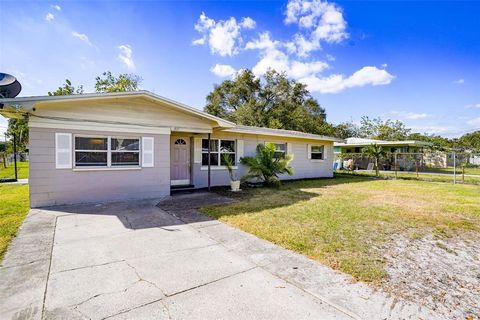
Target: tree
470	141
346	130
392	130
274	102
265	166
67	89
3	153
124	82
382	129
376	152
438	142
19	128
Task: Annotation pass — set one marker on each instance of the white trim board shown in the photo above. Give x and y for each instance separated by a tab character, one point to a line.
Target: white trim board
92	126
179	182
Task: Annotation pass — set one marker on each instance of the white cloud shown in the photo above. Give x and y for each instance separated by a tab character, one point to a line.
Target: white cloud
198	42
336	83
473	106
125	56
330	57
49	17
303	69
248	23
459	81
272	57
410	115
322	21
474	122
318	22
82	37
56	7
223	37
223	70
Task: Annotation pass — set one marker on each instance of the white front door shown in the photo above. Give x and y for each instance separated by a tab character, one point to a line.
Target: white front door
180	161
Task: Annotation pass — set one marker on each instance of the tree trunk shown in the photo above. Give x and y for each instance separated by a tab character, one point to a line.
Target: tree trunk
376	167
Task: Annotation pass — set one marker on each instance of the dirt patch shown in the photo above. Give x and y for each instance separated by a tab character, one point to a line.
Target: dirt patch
441	274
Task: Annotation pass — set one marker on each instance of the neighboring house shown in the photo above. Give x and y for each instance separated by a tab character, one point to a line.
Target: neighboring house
355	145
134	145
403	149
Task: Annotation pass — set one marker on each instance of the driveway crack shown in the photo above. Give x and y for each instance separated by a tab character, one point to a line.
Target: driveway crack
49	268
91	266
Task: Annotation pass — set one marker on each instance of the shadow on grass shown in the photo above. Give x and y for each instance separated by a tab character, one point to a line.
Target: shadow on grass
183	208
253	200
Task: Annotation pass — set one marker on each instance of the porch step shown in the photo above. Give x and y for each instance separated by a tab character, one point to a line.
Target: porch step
182	188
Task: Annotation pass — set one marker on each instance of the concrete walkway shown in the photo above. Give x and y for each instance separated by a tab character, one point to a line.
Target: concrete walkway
138	261
19	181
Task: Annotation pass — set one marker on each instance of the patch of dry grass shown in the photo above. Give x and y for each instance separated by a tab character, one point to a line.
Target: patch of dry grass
344	222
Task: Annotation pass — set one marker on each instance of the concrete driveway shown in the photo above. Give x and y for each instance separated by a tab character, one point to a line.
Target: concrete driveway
138	261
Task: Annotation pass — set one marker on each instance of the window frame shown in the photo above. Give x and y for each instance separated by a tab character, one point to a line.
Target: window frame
277	150
219	153
109	152
322	152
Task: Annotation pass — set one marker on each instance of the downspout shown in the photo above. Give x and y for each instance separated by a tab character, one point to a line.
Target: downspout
209	162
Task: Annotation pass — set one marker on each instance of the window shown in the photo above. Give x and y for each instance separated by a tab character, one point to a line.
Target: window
91	152
180	141
280	149
125	152
106	151
218	149
316	152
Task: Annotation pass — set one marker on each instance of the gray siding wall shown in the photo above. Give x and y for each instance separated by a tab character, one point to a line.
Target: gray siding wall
304	167
51	186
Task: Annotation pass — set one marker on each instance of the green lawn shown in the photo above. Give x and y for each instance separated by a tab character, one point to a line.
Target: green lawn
13	209
450	170
344	221
421	177
9	171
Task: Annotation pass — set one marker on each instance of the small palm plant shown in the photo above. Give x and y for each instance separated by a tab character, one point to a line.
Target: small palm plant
376	152
229	163
265	166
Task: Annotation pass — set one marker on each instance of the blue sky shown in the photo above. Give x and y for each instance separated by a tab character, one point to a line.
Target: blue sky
413	61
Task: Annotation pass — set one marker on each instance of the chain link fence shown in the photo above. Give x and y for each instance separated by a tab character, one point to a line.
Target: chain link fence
453	167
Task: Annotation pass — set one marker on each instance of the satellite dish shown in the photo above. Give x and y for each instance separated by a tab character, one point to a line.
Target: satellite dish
9	86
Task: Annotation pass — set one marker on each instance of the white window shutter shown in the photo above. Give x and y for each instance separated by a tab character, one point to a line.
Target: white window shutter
197	150
309	151
147	152
289	148
239	150
63	150
325	151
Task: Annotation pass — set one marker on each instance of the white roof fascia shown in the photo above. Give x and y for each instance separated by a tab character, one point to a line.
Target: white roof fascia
28	103
388	143
280	133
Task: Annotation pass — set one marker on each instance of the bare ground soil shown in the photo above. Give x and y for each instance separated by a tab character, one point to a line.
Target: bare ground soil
442	274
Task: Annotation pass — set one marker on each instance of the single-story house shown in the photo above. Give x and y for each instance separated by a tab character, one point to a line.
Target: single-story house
134	145
355	145
406	154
